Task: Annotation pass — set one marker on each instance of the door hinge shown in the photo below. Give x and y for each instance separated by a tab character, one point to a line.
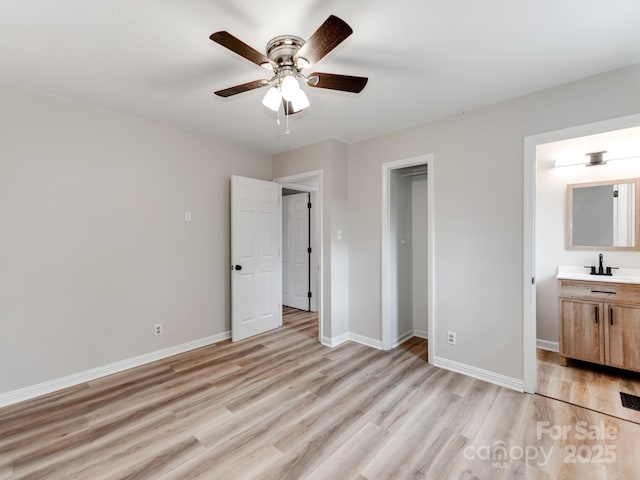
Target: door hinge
533	280
615	193
308	294
309	205
309	250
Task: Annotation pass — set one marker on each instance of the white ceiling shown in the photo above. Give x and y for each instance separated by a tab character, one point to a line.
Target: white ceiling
425	59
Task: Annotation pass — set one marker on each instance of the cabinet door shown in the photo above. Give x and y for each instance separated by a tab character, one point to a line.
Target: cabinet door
582	330
622	335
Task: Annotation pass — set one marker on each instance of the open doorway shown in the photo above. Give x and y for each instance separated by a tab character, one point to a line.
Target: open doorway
296	249
302	246
565	306
407	260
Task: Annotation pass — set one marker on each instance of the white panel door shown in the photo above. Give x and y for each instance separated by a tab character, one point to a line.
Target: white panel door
295	257
256	238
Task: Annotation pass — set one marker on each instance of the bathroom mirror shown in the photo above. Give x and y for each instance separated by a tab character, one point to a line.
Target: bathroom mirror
603	215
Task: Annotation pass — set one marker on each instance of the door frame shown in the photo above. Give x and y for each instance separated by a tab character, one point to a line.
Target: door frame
529	336
290	181
387	169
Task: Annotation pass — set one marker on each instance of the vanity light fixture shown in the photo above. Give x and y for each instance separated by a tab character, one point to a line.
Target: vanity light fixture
593	159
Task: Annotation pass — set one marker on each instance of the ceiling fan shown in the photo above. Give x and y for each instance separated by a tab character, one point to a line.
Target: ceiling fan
286	56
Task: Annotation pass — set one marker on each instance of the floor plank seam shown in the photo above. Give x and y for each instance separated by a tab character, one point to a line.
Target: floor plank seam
586	408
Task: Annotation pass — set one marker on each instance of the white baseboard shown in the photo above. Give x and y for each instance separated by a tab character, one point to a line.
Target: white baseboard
354	337
480	374
369	342
335	341
402	338
50	386
547	345
421	333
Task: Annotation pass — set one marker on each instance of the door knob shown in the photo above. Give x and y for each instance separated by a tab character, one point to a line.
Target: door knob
238	267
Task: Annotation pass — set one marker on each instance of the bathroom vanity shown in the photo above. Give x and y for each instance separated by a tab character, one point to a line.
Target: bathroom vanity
600	317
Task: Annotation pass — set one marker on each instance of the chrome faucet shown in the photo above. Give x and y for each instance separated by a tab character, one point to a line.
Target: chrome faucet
601	269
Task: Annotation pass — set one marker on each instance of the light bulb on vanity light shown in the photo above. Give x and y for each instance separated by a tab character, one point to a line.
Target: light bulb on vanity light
592	159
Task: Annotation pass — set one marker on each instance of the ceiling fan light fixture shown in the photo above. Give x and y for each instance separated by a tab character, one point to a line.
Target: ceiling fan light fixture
299	101
286	56
272	99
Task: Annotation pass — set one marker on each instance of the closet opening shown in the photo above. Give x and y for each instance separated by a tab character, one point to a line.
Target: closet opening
406	247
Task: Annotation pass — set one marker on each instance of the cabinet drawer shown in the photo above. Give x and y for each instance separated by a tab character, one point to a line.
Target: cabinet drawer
610	292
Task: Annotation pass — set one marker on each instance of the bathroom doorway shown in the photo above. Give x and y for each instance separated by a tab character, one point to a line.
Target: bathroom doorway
407	262
554	162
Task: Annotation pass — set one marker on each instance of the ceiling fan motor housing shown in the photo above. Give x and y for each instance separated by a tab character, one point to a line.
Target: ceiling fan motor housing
283	48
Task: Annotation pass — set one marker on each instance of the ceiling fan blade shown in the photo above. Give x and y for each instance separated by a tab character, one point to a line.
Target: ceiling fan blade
345	83
327	37
238	46
245	87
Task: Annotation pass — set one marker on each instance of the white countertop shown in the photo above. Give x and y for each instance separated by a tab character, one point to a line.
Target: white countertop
623	275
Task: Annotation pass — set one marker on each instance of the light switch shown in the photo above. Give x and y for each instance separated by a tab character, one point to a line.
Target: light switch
187	215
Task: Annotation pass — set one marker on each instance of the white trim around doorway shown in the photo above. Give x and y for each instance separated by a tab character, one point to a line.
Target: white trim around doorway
387	168
529	207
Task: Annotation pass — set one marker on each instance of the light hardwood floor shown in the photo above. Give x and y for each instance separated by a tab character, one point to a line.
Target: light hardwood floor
281	406
588	385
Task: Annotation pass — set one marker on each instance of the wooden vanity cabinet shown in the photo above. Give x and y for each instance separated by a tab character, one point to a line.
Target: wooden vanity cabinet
622	337
600	323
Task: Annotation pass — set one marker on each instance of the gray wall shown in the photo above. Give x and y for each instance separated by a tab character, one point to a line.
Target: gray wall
94	248
478	203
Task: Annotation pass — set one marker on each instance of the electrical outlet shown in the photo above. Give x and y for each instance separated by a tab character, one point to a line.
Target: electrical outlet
451	338
158	329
